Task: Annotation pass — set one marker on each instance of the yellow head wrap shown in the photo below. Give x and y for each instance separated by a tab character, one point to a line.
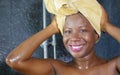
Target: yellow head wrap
89	8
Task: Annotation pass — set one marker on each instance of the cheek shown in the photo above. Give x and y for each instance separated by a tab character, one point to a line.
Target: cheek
65	41
90	38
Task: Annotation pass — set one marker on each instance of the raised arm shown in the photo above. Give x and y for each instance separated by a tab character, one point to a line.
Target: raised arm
20	58
109	28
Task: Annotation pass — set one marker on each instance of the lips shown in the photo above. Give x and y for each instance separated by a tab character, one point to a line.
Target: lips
76	48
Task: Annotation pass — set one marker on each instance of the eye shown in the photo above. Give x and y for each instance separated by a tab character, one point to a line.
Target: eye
67	32
83	30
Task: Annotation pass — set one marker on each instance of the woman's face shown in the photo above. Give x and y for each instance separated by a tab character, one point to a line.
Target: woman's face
79	36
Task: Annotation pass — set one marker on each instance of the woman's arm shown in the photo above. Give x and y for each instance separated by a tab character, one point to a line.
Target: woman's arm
20	58
113	30
109	28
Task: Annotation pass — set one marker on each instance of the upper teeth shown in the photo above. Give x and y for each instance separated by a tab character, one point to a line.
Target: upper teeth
76	46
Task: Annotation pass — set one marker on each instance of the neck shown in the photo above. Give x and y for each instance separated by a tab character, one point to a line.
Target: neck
87	62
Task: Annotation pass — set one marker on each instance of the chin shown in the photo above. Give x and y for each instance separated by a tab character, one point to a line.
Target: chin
77	55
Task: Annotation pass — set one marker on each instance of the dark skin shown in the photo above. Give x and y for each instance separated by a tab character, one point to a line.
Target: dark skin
79	38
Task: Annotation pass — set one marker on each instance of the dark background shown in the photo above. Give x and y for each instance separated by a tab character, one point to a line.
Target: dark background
20	19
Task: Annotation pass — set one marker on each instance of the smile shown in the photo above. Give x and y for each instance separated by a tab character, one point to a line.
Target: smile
76	48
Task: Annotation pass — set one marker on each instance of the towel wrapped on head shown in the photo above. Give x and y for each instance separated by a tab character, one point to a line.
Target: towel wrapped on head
91	9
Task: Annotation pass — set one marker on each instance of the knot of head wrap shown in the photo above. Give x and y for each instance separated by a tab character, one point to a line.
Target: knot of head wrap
89	8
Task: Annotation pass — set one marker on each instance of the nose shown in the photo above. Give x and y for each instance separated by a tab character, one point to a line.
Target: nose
75	36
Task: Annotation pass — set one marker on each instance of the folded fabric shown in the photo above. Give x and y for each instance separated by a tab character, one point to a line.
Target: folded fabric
89	8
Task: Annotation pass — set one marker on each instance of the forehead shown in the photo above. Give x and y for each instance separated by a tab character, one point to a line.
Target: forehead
77	19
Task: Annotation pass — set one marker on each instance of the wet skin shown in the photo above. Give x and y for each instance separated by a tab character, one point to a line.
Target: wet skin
79	39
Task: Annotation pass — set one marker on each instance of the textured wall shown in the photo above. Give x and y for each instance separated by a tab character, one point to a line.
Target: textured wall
20	19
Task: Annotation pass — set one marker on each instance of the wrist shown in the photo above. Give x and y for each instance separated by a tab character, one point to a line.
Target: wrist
52	29
106	27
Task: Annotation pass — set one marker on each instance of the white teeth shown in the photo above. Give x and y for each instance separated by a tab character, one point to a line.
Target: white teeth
76	47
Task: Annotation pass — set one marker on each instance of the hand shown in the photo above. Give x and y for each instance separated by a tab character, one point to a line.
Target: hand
104	20
54	24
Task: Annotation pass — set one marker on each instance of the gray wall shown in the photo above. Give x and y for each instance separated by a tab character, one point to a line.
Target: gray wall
19	19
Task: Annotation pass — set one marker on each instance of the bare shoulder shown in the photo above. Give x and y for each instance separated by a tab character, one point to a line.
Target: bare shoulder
114	60
63	68
113	65
117	63
59	63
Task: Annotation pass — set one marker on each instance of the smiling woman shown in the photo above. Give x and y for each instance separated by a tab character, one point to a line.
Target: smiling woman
79	38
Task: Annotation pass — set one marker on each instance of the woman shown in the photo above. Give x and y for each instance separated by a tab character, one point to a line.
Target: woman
79	38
